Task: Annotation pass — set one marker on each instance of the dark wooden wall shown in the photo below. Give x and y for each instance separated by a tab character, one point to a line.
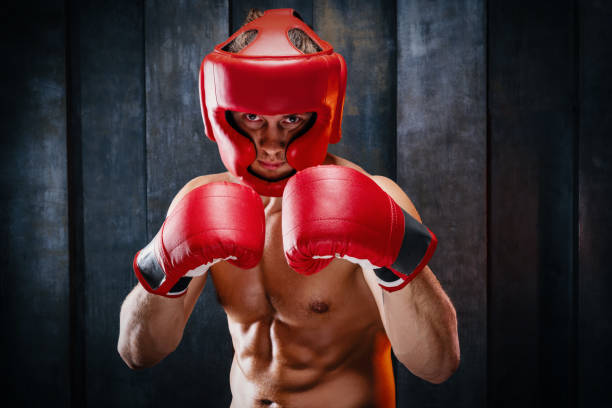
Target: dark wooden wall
493	116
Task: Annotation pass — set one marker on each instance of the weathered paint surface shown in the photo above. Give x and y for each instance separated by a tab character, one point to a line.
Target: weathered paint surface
441	165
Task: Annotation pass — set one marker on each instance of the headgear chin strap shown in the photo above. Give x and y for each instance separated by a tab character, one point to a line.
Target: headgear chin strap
270	76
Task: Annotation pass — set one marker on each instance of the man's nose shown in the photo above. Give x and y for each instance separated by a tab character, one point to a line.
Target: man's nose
273	141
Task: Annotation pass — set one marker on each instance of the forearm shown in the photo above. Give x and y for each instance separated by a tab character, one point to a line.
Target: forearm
421	324
151	327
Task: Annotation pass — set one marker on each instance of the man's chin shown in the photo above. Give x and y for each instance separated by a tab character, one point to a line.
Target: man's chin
270	179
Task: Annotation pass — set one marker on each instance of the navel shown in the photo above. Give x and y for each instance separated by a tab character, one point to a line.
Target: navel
319	307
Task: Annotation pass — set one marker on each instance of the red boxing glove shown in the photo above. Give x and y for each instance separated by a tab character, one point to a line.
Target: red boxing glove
213	222
334	211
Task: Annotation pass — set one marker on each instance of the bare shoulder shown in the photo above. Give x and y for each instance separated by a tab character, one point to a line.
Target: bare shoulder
197	182
389	186
397	194
340	161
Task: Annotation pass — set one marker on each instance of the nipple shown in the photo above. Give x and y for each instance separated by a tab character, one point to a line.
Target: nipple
319	307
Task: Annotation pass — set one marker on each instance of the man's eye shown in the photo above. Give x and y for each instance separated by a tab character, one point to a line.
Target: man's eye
293	119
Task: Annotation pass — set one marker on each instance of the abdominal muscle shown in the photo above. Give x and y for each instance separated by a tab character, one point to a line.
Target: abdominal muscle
361	379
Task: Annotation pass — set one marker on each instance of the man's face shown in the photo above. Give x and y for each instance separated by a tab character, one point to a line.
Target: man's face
271	134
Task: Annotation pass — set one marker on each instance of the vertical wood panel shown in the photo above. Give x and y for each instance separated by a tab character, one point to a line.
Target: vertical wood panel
595	178
442	167
177	37
552	100
34	283
364	34
531	91
110	71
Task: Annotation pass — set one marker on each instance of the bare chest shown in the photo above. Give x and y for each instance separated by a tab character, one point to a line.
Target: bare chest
272	290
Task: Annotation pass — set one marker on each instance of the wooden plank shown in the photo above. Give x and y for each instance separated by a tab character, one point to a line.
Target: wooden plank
442	157
34	285
178	36
177	39
531	89
109	67
595	180
365	37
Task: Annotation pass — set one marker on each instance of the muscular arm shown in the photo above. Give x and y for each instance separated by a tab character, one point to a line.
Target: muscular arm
420	320
151	326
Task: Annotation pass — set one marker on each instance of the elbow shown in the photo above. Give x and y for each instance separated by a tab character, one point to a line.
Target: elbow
449	364
125	355
128	358
444	372
434	365
135	366
434	372
137	360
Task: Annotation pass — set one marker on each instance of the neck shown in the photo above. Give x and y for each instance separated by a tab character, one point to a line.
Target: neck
272	204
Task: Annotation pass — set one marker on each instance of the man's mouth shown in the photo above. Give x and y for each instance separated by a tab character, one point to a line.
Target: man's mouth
268	165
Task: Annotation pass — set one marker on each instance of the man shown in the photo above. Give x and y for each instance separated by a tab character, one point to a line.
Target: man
320	267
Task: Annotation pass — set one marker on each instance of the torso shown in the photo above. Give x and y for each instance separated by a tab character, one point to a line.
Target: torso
303	341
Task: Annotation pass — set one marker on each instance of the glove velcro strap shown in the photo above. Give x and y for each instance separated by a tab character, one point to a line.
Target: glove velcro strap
151	274
418	246
151	271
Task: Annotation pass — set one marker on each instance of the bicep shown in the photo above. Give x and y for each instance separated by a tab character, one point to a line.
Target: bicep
397	194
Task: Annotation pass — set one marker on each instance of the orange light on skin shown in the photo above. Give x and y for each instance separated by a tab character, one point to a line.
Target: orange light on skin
384	382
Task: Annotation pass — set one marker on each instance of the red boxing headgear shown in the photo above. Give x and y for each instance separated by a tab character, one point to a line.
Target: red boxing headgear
270	76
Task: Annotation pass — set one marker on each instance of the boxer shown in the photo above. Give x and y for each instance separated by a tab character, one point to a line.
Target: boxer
320	266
